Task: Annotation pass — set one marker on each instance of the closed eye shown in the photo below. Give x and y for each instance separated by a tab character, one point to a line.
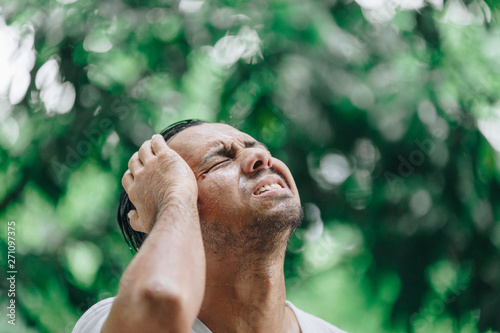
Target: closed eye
216	165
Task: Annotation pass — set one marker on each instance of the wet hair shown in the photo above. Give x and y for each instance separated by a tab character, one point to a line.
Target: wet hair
135	238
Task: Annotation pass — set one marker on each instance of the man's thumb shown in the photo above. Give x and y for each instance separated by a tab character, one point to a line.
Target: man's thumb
135	221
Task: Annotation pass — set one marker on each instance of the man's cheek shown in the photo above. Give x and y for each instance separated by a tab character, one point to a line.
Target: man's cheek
208	204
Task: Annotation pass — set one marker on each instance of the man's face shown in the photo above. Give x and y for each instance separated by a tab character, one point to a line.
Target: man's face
239	184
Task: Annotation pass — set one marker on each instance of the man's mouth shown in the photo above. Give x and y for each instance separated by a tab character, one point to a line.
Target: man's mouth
269	183
268	187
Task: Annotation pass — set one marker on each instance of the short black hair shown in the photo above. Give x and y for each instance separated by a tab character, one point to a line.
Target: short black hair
135	238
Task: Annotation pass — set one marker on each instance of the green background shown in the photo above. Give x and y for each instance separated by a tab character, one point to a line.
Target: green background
387	113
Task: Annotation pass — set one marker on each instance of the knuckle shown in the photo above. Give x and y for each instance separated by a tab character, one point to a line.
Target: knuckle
163	156
125	177
132	194
145	146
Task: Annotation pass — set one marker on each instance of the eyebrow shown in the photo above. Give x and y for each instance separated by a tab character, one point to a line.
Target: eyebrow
224	151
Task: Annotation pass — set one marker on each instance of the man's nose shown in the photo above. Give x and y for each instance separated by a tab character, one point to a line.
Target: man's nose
256	159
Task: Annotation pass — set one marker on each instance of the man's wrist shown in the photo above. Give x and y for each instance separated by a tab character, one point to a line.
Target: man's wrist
175	208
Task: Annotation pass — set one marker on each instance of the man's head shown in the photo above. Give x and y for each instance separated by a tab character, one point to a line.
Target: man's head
244	194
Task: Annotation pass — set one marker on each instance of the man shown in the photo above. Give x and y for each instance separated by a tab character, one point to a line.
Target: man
218	210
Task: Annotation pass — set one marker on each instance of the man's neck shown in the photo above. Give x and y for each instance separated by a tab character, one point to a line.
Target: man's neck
246	293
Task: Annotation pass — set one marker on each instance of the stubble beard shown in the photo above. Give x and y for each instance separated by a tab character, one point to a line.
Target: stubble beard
265	236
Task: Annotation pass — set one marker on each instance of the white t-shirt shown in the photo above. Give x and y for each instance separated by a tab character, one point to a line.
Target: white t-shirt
93	320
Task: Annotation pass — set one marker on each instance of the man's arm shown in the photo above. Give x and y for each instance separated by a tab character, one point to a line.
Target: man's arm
163	287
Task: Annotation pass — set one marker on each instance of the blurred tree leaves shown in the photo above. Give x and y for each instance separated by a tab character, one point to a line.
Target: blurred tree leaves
386	112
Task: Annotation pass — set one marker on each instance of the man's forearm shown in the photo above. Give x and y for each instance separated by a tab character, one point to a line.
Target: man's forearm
163	287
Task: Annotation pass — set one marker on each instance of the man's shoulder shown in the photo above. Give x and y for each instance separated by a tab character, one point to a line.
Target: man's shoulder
93	319
312	324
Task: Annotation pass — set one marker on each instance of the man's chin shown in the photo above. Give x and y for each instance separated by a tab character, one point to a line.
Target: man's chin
280	219
269	232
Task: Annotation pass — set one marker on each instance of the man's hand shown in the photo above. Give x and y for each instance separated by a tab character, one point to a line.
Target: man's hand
163	287
156	176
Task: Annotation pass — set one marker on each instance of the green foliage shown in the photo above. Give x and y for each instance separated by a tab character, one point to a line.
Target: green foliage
387	113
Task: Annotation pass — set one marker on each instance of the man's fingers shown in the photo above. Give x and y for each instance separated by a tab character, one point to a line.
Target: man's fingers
127	180
145	152
158	144
134	164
